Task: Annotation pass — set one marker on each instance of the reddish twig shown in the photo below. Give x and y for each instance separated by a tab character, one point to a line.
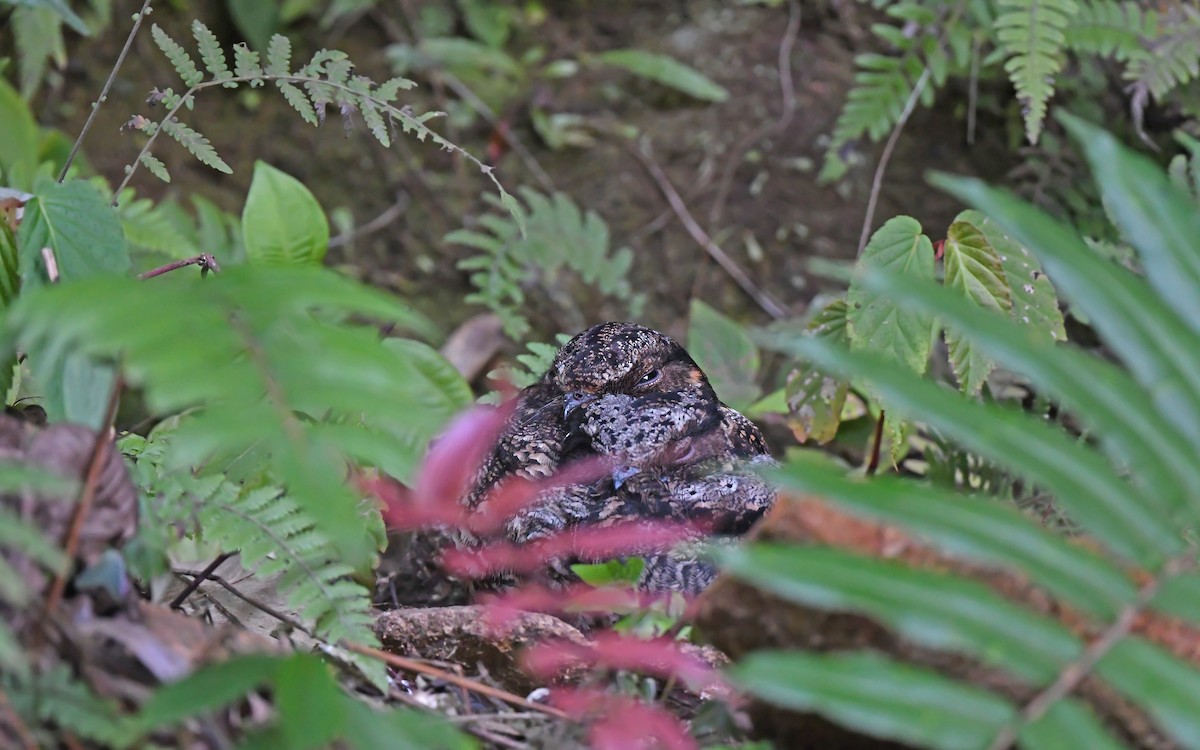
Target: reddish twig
413	665
876	445
87	494
764	300
13	719
205	260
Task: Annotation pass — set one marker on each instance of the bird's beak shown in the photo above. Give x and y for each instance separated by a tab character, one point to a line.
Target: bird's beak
621	474
574	400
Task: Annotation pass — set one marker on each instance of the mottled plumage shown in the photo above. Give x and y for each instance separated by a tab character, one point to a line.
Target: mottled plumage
634	396
674	462
609	358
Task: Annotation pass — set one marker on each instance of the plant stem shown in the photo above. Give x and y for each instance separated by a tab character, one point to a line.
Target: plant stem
137	24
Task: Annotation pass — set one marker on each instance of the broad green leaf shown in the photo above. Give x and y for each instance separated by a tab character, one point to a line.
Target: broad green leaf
1160	348
973	527
931	608
456	52
815	399
875	323
437	385
1180	596
85	238
312	708
974	271
62	9
1068	723
256	21
1080	479
488	21
78	226
39	39
618	572
1155	216
19	145
1034	301
1166	686
282	223
1101	395
401	729
667	71
207	689
877	696
725	352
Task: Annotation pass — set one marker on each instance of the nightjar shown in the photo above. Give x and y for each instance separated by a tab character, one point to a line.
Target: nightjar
609	358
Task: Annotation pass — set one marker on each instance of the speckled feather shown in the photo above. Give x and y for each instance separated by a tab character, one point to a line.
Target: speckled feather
650	408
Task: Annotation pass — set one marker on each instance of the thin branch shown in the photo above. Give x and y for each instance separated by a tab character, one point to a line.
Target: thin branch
112	75
199	578
467	95
1074	673
876	445
87	494
13	719
390	214
788	110
205	260
413	665
877	182
764	300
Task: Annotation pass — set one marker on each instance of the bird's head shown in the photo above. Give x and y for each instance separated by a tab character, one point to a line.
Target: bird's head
624	358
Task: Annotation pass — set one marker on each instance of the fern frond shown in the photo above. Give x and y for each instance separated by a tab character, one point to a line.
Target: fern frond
212	53
882	87
196	144
279	55
155	167
178	56
1110	28
1172	59
246	64
557	235
1032	33
57	697
257	356
298	101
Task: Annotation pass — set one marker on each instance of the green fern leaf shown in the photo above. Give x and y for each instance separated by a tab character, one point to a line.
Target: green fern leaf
298	101
1173	60
212	54
882	87
279	55
196	144
246	64
1032	33
535	241
155	167
1109	28
391	88
178	56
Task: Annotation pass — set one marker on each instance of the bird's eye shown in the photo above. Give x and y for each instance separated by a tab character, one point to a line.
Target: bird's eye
650	377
